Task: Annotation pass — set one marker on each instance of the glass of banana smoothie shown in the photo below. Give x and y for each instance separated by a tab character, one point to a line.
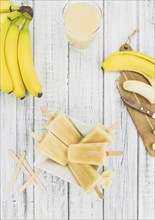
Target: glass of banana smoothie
81	20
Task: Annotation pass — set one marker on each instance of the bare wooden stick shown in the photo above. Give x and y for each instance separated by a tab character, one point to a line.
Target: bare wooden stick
114	153
99	193
36	136
47	113
28	171
41	186
18	167
112	127
25	166
27	183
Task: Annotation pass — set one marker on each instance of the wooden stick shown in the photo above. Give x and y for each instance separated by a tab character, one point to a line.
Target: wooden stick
36	136
41	186
114	153
27	183
28	171
99	193
112	127
25	166
47	113
18	167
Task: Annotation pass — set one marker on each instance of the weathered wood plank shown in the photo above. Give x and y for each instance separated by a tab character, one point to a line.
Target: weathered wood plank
146	166
86	104
121	199
16	124
83	91
51	61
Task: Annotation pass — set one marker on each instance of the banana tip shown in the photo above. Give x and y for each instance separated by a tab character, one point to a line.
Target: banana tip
40	95
10	92
22	97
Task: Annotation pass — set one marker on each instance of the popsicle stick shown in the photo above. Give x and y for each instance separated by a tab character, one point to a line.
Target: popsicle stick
99	193
25	166
47	113
18	167
36	179
114	153
36	136
27	183
112	127
28	171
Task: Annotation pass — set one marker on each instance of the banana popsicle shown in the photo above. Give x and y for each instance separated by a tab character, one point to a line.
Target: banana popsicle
99	134
62	127
87	177
52	147
91	153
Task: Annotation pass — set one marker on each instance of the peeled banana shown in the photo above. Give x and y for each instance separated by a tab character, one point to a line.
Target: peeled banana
131	61
7	6
6	83
107	176
11	54
25	59
140	88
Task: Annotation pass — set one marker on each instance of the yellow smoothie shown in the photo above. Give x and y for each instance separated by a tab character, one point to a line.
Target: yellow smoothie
81	21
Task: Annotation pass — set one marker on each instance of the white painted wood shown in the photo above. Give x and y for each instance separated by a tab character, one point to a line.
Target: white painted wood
121	199
146	174
86	104
74	83
51	62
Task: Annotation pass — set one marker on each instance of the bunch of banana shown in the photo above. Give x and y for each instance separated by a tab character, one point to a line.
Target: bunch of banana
17	72
137	62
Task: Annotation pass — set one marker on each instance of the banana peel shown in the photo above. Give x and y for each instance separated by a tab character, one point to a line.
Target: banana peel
131	61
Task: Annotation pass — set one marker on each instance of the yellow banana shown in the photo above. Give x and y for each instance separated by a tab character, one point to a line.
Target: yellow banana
25	59
11	54
140	88
7	6
131	61
6	84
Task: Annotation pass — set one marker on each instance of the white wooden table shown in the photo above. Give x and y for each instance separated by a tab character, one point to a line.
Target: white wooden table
74	83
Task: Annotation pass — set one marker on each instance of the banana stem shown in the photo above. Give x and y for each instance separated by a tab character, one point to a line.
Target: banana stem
27	11
18	20
13	15
26	24
14	7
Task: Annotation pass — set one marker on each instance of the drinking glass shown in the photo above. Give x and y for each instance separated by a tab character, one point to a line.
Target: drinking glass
82	21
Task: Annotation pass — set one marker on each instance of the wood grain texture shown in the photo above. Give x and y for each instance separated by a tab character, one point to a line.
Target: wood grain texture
86	104
146	166
74	83
52	65
120	21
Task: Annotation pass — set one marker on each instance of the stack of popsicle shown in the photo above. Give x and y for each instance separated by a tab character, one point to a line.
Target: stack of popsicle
63	143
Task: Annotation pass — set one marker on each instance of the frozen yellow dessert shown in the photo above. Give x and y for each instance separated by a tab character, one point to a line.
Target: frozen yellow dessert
62	127
53	148
97	135
91	153
86	176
